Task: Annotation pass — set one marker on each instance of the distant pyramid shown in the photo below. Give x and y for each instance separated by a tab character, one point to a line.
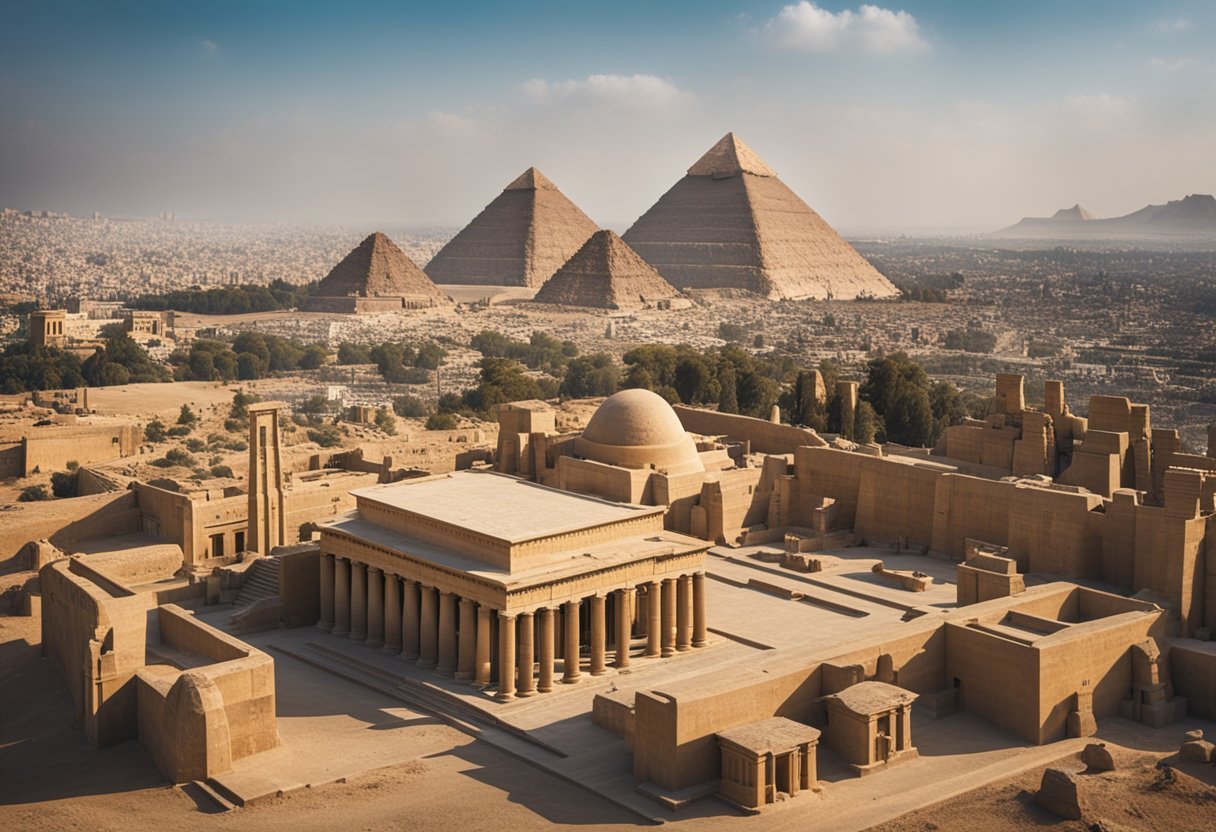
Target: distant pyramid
375	276
605	274
1076	212
731	223
519	239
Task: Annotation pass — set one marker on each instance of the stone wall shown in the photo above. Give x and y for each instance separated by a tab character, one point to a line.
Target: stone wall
196	723
765	437
52	447
67	522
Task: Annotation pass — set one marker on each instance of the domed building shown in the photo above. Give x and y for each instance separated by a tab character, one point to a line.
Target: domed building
637	429
707	468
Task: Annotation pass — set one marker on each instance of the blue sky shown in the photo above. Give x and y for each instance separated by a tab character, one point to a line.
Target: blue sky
904	115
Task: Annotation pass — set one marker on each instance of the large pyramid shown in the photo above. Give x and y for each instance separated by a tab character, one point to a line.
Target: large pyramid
376	275
731	223
519	239
606	274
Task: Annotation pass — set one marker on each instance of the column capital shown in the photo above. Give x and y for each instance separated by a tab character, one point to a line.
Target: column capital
375	569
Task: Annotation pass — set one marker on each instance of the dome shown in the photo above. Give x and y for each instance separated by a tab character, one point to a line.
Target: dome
638	429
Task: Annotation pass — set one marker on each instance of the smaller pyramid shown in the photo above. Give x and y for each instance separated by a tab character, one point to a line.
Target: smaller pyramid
376	276
377	268
1076	212
606	274
519	239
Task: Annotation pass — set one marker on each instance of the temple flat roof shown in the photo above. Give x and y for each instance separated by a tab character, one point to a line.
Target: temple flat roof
500	506
556	566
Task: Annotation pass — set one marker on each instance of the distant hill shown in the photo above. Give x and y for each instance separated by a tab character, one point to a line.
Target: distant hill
1192	216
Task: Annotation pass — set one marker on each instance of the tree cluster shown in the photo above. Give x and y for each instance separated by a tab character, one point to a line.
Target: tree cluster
228	300
252	355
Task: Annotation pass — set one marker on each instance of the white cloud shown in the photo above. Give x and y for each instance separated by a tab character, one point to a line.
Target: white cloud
807	27
1177	24
1101	104
634	90
1166	65
209	46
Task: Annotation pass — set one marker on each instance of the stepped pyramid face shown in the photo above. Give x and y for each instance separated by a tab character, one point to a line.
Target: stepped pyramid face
519	239
378	268
731	223
605	274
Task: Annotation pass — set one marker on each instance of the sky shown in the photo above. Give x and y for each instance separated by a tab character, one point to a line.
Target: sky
934	115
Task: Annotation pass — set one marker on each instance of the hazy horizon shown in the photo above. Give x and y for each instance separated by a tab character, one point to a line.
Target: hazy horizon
917	116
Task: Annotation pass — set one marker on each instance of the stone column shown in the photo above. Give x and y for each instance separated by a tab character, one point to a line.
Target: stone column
598	634
668	626
468	640
326	622
545	683
447	633
506	656
428	633
684	614
375	607
358	601
570	651
392	613
526	663
624	626
654	627
341	597
699	624
481	669
411	619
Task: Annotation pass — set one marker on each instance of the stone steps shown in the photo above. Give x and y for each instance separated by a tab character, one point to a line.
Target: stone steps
261	581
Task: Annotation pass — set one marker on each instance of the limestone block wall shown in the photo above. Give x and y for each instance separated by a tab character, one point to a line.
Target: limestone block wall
1193	671
196	723
1093	654
585	476
1055	531
95	632
765	437
896	500
970	507
997	679
67	522
674	727
300	585
50	448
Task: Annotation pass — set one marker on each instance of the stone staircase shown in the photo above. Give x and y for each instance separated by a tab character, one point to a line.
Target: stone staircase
261	581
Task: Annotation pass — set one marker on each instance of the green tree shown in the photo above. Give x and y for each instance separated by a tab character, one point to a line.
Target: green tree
590	375
186	416
411	407
33	494
867	423
386	422
154	431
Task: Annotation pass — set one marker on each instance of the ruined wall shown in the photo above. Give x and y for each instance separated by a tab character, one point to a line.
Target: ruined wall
765	437
52	447
67	522
94	631
197	723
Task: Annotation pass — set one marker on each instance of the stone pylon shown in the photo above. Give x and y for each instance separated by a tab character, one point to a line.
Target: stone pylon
267	514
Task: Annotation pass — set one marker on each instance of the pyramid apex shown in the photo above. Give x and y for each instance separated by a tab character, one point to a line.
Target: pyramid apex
531	180
730	156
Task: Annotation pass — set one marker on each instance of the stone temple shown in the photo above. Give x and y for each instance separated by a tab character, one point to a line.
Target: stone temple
730	223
